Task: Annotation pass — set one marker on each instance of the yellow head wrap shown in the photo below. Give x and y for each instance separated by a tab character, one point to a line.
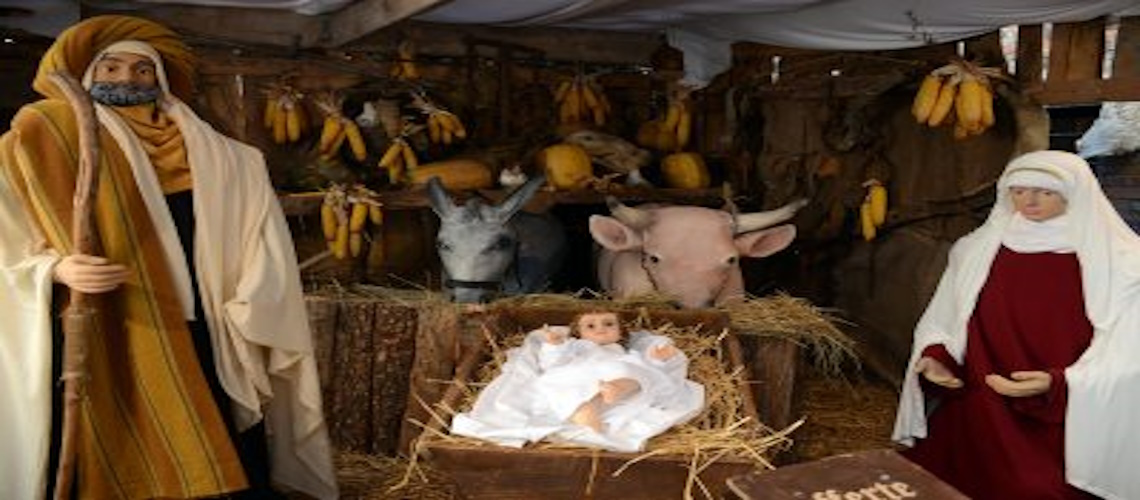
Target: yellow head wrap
77	46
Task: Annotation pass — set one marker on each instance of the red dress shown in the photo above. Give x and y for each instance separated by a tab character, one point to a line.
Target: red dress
1030	315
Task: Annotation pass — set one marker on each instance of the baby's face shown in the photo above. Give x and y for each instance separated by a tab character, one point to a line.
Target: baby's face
600	328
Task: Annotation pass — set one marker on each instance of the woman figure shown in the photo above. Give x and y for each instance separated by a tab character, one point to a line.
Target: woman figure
1024	371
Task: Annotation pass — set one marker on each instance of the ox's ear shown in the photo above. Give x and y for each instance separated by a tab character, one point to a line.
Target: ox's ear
441	203
519	197
612	234
766	241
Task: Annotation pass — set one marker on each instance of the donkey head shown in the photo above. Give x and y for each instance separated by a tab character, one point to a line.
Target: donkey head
477	244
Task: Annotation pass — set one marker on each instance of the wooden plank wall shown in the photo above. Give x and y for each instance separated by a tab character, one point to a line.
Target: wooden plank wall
1076	55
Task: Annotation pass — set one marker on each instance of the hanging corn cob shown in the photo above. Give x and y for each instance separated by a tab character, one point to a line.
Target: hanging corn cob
873	209
284	115
344	214
581	99
672	131
338	129
404	66
443	126
960	92
400	158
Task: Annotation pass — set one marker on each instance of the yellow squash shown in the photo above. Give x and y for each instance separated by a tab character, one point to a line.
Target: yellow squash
685	171
459	173
567	166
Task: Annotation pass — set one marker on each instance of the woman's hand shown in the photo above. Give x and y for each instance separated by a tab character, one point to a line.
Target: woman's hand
1023	384
937	373
89	274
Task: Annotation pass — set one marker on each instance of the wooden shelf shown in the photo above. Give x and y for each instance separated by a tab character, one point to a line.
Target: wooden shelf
308	203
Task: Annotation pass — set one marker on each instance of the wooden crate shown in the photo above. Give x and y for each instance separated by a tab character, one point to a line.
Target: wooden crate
365	349
501	473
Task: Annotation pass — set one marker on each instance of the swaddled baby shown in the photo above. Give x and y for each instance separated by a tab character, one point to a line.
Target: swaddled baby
584	384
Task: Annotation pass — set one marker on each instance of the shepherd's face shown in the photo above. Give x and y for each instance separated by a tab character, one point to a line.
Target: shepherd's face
124	79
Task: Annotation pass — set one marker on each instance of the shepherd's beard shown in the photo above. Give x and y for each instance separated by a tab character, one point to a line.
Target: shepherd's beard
124	94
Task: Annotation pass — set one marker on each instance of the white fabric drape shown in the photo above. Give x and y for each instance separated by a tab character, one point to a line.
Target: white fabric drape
251	293
1102	436
705	30
25	351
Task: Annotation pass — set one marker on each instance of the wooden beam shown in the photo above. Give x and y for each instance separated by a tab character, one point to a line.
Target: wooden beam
1028	66
1077	51
366	16
231	24
1087	91
552	43
986	49
1127	61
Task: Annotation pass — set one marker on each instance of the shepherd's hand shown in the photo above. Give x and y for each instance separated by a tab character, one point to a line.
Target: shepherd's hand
937	373
1022	385
90	274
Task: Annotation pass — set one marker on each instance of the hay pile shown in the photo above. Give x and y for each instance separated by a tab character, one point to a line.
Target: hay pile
779	315
370	477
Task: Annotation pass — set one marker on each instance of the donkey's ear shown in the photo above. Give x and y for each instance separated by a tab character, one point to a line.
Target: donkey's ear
519	197
441	203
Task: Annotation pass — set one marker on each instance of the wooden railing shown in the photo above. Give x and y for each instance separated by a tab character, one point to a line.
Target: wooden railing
1076	57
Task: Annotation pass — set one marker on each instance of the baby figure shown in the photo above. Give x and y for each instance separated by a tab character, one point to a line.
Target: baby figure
603	330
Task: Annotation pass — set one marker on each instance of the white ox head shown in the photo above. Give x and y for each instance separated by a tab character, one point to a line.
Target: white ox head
691	254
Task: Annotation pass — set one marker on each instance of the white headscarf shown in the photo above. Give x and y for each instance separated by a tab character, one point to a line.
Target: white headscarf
1029	236
1102	438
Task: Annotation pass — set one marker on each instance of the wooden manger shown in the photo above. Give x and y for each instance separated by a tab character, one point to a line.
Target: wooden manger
483	470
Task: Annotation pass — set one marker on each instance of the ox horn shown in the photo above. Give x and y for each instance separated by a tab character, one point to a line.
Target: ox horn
629	216
760	220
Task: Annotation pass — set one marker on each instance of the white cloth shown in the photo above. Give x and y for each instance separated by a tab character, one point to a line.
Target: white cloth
542	384
1027	236
705	30
1102	435
250	289
25	351
1029	178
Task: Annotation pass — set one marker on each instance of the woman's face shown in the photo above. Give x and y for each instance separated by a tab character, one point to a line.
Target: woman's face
1037	204
600	328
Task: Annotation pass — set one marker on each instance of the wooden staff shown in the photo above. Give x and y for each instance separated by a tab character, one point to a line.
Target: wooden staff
80	318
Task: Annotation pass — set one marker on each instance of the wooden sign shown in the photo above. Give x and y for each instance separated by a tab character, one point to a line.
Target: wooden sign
866	475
